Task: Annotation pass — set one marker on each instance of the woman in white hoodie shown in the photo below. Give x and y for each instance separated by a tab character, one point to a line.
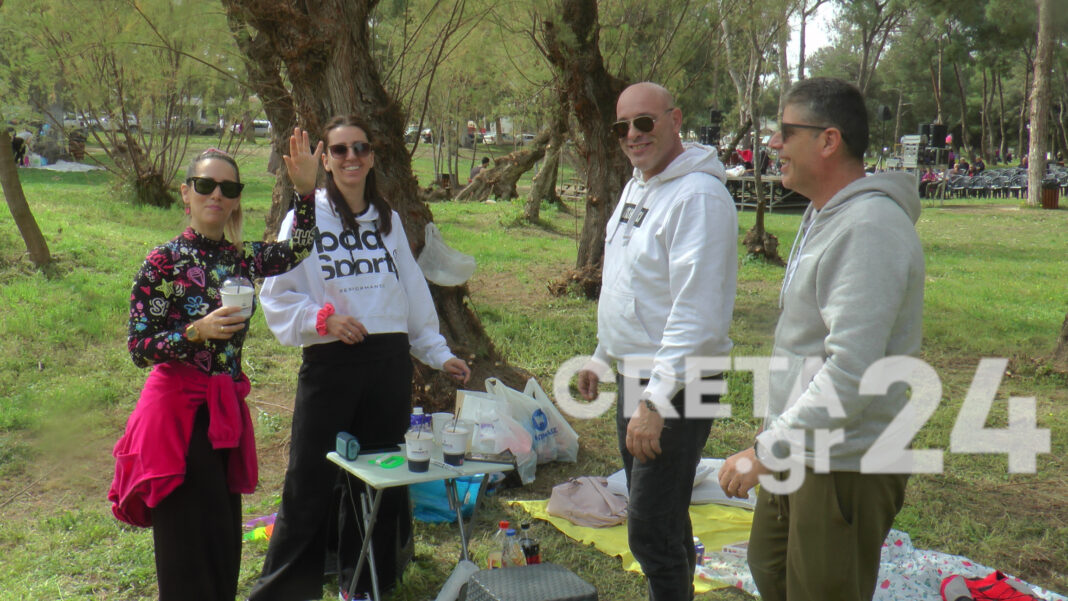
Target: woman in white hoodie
359	306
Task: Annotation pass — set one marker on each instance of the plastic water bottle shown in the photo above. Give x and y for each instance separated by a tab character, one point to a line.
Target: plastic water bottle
419	440
530	546
512	554
496	554
699	551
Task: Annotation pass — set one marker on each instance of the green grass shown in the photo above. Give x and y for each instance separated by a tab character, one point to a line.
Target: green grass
995	287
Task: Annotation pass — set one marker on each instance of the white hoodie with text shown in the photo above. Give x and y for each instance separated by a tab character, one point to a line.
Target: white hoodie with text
371	277
670	271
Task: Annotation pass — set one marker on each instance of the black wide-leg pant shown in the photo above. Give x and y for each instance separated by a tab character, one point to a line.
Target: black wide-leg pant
363	389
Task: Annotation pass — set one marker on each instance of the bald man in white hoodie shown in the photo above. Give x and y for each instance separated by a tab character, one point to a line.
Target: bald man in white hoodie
667	294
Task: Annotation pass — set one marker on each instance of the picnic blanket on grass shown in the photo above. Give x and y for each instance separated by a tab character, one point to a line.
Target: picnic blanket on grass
715	525
905	573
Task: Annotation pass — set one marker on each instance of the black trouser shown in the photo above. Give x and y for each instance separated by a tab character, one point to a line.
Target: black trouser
197	528
658	514
364	389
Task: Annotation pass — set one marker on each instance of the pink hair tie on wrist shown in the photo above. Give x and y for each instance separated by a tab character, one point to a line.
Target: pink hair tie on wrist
320	319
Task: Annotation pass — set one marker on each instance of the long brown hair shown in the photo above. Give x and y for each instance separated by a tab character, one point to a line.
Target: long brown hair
370	190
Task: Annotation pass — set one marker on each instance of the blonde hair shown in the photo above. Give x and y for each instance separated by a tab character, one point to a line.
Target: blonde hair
235	224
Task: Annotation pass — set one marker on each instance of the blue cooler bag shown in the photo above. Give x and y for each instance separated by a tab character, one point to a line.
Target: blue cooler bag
430	503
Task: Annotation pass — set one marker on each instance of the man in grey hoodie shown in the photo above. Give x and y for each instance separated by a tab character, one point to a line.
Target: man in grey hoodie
667	294
851	297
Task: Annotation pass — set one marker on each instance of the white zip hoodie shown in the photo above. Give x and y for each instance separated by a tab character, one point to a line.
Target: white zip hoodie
670	271
371	277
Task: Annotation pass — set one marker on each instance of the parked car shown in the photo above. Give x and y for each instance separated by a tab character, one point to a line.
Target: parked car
261	127
526	139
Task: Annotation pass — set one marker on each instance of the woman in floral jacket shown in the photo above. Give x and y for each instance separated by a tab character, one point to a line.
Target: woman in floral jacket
188	451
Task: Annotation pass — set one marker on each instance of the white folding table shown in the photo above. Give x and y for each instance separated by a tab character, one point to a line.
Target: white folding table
378	478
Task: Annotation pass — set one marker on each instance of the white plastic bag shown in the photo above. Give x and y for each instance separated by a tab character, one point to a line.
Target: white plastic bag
496	430
443	265
566	438
553	438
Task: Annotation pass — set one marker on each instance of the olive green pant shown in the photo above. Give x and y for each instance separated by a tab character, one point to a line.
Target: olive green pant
824	540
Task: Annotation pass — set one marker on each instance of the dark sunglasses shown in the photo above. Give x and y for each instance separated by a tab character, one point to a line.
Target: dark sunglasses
206	185
644	124
786	129
360	149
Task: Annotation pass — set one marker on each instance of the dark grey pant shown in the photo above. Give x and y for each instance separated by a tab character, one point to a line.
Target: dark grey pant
658	516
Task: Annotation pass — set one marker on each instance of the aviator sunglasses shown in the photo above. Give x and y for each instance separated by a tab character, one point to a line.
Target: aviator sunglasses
360	149
206	185
643	124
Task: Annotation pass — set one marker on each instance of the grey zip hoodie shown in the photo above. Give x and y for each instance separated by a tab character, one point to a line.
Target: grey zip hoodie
852	294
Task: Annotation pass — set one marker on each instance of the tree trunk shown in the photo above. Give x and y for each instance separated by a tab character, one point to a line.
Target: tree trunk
1060	355
936	86
897	119
1040	102
544	187
784	68
20	209
1025	102
339	78
758	241
984	122
571	44
1001	117
729	149
966	148
500	180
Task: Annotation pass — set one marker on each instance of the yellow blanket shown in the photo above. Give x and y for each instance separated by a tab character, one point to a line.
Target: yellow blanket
715	525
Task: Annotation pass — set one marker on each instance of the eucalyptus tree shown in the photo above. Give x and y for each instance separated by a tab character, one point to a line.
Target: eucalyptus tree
751	32
805	10
1040	101
872	23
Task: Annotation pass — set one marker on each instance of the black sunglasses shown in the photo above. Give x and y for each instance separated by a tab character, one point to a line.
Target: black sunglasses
644	124
786	129
360	149
206	185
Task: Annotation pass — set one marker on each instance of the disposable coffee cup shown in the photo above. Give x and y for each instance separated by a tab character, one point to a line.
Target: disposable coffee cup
418	446
437	422
471	426
238	292
454	443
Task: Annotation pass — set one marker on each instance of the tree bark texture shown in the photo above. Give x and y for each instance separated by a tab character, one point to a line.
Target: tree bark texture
966	149
544	185
324	50
20	209
570	39
1060	356
1040	102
